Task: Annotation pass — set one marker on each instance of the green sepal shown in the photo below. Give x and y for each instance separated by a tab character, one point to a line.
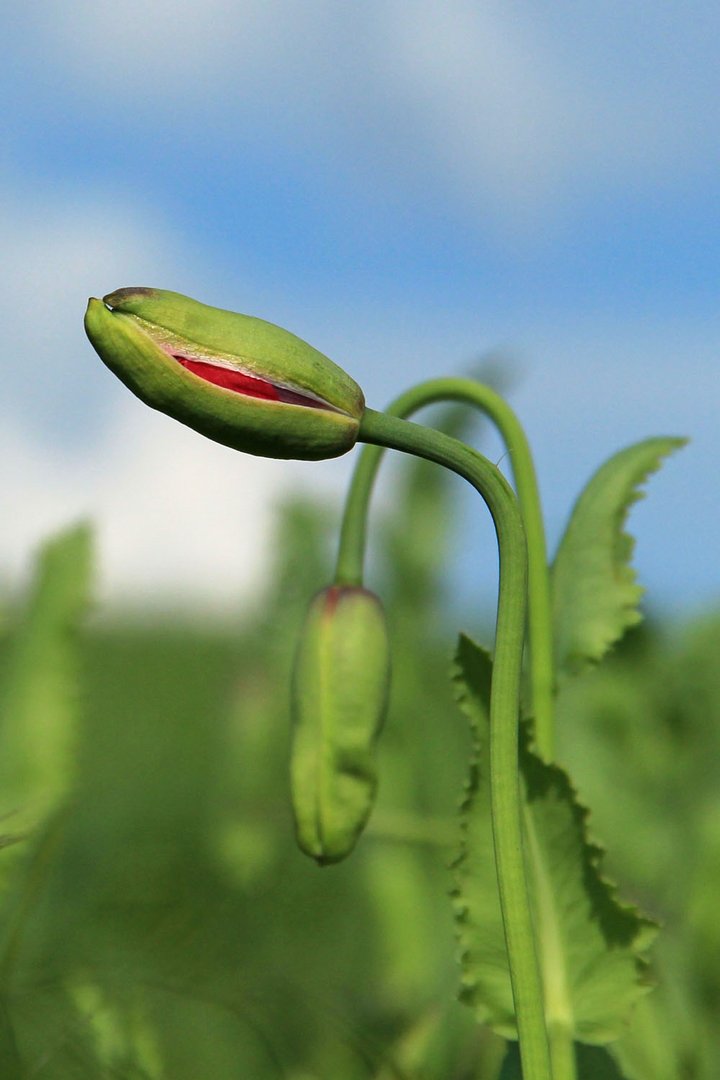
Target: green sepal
339	699
136	331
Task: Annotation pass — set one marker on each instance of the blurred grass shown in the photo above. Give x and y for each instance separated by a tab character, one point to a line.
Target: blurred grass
158	921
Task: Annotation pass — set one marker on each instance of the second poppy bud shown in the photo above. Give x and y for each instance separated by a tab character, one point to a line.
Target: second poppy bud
340	689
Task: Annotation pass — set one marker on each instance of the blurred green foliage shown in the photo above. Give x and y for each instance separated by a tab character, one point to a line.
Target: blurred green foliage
158	922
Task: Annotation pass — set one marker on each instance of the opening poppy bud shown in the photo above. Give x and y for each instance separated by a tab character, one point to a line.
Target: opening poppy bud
339	698
238	380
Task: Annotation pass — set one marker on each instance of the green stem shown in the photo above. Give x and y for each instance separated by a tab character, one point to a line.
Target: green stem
353	533
397	434
558	1004
562	1053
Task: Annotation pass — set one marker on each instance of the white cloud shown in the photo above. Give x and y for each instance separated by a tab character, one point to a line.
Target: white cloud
482	92
516	108
535	110
56	253
181	517
180	520
184	521
58	250
185	51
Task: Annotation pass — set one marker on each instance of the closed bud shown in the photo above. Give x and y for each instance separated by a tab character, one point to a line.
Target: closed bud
340	689
238	380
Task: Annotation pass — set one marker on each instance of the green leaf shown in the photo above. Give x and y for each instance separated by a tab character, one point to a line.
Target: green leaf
594	591
39	703
589	944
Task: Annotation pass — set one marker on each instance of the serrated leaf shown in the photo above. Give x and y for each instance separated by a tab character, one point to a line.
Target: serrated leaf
39	703
590	945
595	594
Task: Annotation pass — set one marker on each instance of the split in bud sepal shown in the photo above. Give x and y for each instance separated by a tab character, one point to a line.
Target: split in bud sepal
236	379
340	688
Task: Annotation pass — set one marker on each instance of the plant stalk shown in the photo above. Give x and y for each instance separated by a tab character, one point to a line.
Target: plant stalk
353	532
391	432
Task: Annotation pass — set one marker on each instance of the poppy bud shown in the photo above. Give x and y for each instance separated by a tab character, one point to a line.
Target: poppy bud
238	380
340	689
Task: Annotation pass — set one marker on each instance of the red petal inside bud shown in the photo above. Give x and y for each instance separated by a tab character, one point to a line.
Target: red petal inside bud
230	379
250	385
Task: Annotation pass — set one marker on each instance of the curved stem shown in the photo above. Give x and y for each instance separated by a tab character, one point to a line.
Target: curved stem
397	434
353	533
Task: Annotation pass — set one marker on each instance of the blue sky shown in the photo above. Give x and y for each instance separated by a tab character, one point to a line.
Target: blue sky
406	186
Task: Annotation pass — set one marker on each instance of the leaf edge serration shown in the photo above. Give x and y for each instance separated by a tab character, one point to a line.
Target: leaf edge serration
640	928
